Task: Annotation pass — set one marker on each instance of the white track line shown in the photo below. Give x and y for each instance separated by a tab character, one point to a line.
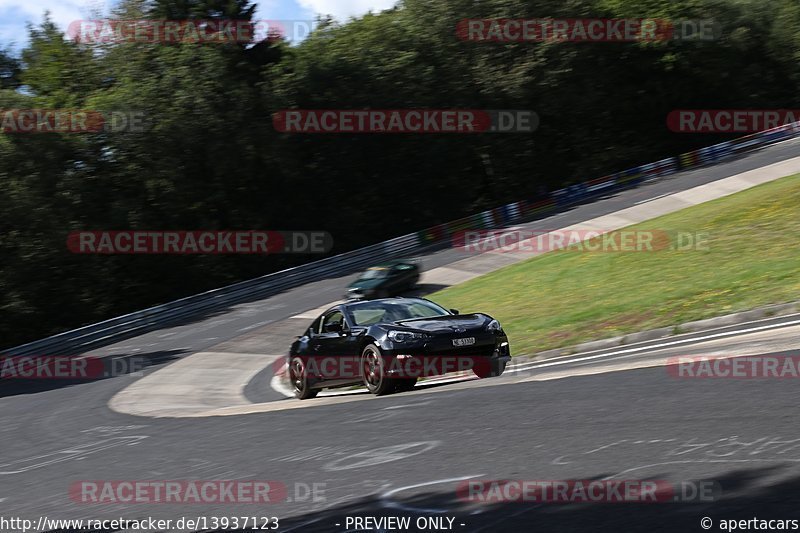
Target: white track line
519	368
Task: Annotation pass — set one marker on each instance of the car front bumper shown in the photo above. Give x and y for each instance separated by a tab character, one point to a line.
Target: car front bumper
436	358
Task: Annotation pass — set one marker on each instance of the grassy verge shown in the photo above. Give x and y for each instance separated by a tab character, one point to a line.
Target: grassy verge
570	296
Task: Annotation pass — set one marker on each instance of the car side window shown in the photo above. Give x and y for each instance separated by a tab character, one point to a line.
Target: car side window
334	317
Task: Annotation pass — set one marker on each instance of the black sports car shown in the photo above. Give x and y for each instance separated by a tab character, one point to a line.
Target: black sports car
385	280
388	344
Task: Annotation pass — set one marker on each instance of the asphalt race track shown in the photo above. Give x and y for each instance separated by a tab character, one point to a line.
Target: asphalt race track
613	414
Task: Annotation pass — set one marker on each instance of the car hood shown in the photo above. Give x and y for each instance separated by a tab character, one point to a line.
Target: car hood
447	323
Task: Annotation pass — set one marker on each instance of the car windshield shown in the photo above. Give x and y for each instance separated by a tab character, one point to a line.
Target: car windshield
374	273
369	313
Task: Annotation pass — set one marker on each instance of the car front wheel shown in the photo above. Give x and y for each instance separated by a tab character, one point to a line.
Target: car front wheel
373	371
489	369
299	379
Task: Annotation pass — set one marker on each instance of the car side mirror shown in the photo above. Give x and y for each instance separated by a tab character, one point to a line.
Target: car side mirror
454	311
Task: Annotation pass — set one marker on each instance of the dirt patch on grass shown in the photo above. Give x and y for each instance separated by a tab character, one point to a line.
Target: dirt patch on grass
559	336
623	321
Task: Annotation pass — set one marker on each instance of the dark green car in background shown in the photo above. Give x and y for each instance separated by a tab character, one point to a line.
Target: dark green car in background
388	279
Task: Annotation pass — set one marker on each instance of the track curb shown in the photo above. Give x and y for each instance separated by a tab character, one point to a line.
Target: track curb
695	326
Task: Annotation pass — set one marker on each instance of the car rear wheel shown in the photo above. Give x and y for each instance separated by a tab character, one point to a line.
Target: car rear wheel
373	371
299	379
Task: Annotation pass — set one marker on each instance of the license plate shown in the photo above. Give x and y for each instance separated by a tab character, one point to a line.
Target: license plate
464	342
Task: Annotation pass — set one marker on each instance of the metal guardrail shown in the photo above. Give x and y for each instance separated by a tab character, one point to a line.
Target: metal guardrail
116	329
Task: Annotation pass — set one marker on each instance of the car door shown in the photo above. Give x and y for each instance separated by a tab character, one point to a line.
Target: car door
326	335
395	280
304	344
336	341
406	276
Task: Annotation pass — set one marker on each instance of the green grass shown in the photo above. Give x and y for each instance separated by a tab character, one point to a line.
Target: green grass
567	297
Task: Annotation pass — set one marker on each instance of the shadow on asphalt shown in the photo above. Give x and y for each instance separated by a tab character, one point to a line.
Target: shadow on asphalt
259	388
105	368
741	499
742	496
424	289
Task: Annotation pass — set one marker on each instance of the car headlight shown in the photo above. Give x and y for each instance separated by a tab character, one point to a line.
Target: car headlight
493	326
406	336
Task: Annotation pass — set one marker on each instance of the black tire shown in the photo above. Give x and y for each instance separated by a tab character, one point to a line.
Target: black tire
372	372
405	384
491	369
299	379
